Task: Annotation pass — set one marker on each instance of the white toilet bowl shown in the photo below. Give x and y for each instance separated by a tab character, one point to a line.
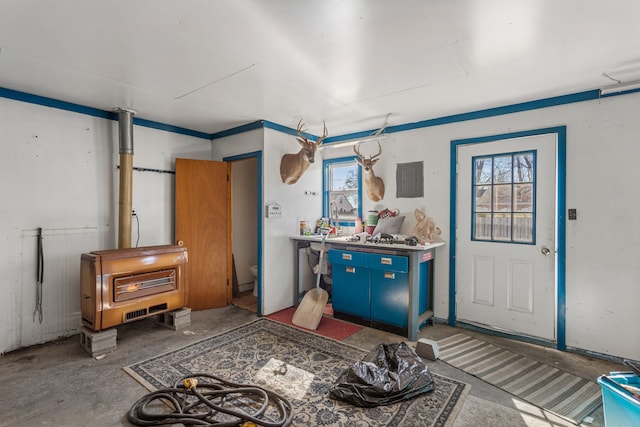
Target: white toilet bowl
254	272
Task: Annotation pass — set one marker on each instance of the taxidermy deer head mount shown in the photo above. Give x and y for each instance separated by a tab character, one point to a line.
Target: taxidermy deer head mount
373	184
293	166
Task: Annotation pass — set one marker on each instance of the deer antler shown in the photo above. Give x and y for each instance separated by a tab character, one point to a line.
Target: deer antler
325	133
301	138
357	151
372	156
379	152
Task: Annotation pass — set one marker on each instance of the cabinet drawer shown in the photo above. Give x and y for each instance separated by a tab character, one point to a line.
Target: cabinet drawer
356	259
388	262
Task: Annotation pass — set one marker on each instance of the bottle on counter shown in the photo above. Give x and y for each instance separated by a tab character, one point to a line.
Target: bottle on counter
358	225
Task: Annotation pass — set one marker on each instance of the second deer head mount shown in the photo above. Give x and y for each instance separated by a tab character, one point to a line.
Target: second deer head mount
373	184
293	166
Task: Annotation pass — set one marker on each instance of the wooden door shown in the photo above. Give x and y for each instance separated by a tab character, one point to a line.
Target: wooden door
202	214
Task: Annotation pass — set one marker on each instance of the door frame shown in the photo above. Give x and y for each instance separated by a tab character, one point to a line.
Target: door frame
561	160
258	156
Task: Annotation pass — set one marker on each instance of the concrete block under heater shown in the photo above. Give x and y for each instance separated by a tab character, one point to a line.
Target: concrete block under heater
98	343
176	319
427	349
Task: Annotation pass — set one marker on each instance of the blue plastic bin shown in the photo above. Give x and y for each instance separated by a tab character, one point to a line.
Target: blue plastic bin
621	408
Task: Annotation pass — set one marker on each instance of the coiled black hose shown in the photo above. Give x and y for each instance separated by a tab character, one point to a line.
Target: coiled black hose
217	403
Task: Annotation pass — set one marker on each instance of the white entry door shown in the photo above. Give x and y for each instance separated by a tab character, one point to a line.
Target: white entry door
506	235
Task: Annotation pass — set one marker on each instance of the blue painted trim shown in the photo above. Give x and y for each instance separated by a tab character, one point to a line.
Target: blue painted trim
588	95
288	130
240	129
95	112
562	236
453	179
260	124
283	129
169	128
54	103
561	132
258	156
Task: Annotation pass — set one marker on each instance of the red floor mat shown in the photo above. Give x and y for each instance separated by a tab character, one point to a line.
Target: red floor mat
328	327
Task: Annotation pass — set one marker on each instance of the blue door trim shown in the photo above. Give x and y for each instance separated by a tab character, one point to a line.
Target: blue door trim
258	156
561	135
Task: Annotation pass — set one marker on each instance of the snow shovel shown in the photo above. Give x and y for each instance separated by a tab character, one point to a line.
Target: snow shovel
311	308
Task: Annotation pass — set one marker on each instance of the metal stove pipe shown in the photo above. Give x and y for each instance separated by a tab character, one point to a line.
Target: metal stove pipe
125	133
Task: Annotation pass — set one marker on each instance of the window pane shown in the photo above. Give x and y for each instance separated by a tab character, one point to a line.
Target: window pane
483	198
523	198
482	171
341	187
523	167
502	226
344	177
482	227
502	198
523	228
502	169
346	202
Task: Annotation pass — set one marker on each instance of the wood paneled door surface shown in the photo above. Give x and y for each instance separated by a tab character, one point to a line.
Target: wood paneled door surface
202	226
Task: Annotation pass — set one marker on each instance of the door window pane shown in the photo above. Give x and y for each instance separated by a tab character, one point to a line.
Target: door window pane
502	169
482	226
502	227
483	198
523	198
482	170
504	197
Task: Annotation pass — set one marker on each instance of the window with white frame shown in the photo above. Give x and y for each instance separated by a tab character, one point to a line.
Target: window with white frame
342	189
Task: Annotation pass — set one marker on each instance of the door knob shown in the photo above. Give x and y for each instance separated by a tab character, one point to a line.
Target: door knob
545	250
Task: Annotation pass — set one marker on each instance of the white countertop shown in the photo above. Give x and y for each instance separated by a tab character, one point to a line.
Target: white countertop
342	240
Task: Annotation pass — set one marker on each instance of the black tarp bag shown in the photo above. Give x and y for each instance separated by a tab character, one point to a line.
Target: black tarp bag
388	374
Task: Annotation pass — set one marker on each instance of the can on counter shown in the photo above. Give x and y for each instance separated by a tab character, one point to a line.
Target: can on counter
372	221
303	228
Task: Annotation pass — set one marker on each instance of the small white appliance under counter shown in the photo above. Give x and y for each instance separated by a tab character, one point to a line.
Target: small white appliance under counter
386	286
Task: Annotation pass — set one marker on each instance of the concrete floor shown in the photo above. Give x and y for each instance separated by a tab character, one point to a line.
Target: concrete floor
59	384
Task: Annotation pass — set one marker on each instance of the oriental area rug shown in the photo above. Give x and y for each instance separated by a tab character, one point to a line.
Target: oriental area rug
251	353
542	385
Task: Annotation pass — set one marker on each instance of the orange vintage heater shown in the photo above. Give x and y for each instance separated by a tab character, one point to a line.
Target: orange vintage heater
123	285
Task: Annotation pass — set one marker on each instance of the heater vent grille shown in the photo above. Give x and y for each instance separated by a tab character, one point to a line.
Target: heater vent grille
135	314
143	284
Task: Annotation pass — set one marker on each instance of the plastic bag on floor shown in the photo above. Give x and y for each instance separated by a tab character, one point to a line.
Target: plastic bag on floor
387	374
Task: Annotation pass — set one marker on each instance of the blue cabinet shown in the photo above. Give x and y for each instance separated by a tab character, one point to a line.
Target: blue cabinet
373	289
350	290
389	291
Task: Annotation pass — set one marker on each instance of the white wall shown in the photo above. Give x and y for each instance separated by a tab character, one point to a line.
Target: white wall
603	244
60	174
277	248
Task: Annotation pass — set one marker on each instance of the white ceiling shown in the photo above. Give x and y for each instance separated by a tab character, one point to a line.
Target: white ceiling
214	65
